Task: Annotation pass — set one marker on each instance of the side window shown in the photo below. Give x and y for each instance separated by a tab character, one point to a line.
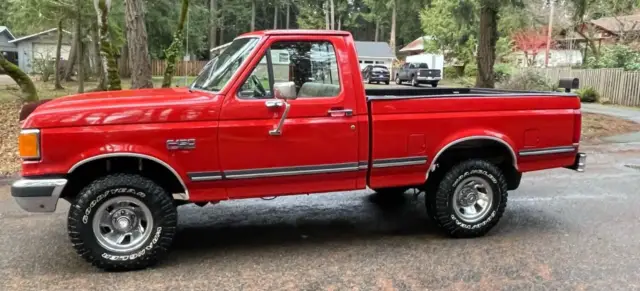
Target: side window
411	66
312	66
257	85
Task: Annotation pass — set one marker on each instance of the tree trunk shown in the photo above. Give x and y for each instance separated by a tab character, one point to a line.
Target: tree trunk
100	65
333	15
487	46
287	17
123	62
392	37
326	14
221	29
58	86
377	29
138	46
339	22
253	15
275	16
29	92
71	61
108	62
79	50
175	49
213	26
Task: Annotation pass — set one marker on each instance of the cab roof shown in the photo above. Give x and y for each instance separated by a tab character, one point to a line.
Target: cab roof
296	32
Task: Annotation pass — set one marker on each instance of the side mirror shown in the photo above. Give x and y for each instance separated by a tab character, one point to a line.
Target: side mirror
285	90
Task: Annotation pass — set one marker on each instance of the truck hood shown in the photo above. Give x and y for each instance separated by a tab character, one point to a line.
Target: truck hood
124	107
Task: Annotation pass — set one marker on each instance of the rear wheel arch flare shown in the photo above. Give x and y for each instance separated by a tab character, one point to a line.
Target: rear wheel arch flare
460	141
172	180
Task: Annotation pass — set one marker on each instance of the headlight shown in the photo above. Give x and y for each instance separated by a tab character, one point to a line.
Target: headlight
29	144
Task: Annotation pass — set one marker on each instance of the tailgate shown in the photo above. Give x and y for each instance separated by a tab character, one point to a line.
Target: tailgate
429	73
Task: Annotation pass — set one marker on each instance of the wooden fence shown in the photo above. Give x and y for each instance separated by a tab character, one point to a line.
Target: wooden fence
192	68
616	85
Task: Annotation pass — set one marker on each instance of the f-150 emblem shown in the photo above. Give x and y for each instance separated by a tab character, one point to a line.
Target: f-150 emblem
181	144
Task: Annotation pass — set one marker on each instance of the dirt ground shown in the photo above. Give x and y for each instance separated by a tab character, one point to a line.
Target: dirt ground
597	126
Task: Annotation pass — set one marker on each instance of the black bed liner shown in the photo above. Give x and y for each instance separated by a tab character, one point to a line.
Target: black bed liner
414	93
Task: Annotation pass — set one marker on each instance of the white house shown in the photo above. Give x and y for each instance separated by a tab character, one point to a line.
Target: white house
374	53
40	45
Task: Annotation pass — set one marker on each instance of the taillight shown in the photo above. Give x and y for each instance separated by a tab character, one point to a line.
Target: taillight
577	125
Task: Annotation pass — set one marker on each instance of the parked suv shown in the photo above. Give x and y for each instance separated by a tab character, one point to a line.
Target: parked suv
418	73
376	73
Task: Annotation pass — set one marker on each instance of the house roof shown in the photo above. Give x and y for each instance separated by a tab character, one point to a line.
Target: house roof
36	35
618	24
4	28
374	49
416	45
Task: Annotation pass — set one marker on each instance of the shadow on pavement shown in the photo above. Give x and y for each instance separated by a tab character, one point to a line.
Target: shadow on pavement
246	227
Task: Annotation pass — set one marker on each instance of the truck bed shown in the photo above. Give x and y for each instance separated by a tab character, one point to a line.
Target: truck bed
416	93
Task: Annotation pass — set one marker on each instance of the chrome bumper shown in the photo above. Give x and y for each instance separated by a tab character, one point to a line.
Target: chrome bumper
38	195
580	162
421	78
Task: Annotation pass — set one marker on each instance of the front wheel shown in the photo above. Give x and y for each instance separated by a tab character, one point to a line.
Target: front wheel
414	81
470	199
434	84
398	81
122	222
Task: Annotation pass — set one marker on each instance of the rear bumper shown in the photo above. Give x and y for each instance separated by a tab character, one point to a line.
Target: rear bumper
381	78
428	79
580	162
38	195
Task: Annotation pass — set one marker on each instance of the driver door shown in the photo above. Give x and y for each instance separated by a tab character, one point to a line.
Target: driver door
317	148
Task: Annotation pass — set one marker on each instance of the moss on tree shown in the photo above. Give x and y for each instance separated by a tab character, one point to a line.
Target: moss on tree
175	49
29	92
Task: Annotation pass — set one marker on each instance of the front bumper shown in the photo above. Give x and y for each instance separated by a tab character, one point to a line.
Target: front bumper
580	162
38	195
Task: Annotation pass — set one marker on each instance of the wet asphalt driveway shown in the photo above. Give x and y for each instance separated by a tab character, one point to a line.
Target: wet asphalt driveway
561	231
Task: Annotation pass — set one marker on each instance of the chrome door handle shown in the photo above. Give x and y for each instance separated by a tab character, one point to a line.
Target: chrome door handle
340	112
274	103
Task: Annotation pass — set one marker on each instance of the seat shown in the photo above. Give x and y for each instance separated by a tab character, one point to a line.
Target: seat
311	89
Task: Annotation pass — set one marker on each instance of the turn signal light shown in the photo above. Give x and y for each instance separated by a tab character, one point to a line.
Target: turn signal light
29	144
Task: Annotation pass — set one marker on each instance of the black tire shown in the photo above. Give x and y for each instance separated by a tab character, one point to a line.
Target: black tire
434	84
414	81
440	205
398	81
152	248
386	82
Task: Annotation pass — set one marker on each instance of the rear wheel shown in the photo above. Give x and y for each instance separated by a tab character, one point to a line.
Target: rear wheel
122	222
469	200
386	82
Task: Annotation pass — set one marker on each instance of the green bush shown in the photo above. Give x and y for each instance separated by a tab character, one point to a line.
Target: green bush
528	81
471	70
502	72
616	56
450	72
588	95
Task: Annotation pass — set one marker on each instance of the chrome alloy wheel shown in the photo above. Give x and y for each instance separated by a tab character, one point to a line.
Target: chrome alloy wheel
122	224
472	199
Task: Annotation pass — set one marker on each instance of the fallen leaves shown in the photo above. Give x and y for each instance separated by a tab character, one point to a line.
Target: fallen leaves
9	129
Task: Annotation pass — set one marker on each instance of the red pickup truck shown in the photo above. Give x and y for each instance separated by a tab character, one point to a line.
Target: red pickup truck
281	113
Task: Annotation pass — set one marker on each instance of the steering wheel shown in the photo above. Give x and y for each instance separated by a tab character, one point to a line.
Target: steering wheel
260	89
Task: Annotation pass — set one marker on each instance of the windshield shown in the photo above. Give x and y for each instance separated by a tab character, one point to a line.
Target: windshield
220	69
423	66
